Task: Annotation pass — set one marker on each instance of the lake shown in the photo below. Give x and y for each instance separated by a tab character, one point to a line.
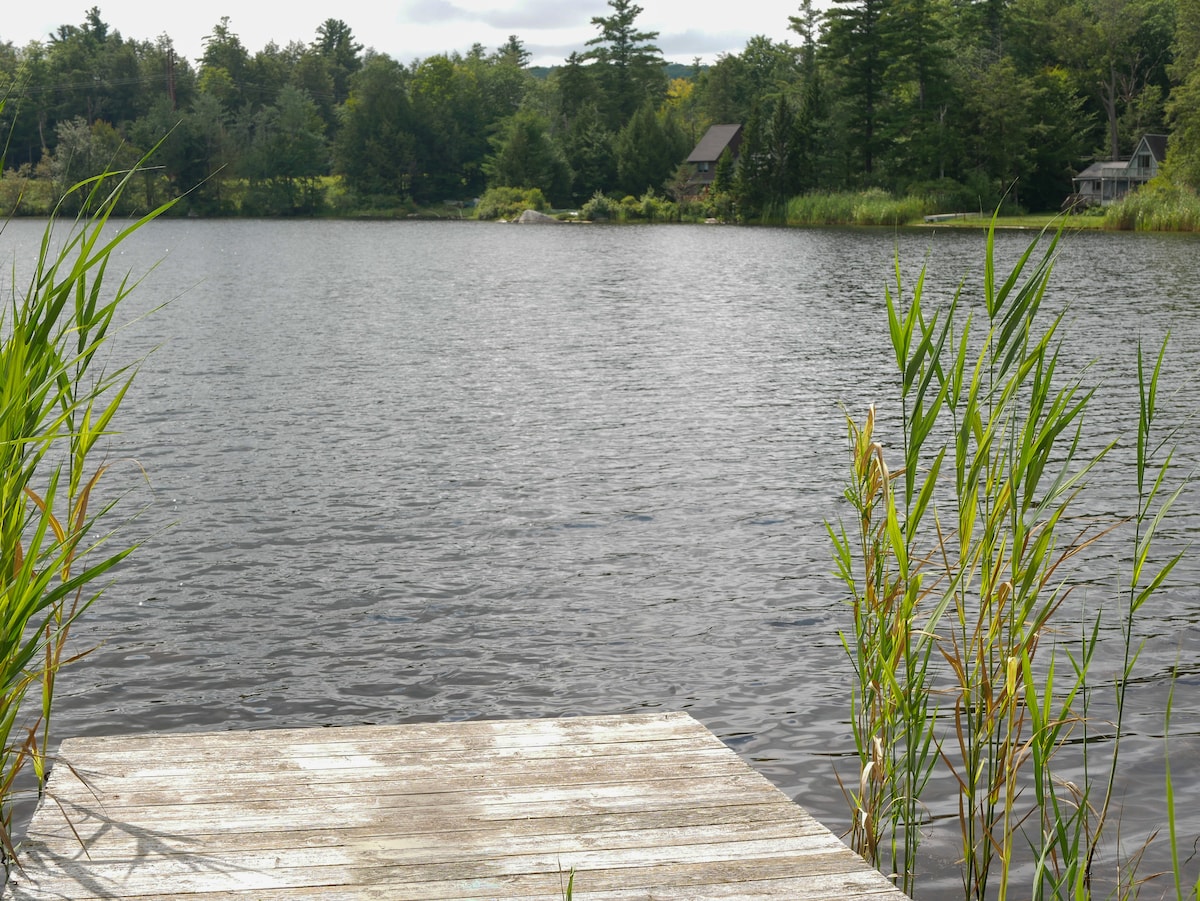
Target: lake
388	472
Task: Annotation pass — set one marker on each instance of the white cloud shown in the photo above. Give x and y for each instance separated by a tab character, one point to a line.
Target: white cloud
412	29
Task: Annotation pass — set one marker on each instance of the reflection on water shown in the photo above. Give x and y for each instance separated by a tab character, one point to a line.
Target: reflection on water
417	471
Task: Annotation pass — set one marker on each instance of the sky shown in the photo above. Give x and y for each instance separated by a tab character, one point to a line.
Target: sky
415	29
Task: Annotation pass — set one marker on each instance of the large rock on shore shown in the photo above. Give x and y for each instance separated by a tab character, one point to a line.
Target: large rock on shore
533	217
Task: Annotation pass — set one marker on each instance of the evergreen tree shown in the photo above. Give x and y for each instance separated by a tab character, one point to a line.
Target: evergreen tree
513	51
630	68
376	147
590	151
725	100
810	127
919	83
858	47
575	88
752	184
648	150
723	173
447	102
93	72
286	155
525	156
224	65
335	44
208	154
783	179
503	79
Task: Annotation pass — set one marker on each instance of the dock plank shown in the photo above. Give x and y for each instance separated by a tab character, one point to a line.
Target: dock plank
639	806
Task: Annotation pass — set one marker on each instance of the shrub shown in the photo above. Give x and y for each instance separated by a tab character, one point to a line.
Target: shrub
510	203
1160	205
22	194
600	208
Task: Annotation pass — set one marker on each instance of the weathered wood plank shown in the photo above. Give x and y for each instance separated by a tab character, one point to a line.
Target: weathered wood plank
639	806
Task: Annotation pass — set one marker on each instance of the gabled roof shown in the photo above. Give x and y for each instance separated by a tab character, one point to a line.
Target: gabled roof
714	142
1157	145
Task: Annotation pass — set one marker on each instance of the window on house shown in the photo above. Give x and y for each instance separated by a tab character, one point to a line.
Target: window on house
702	167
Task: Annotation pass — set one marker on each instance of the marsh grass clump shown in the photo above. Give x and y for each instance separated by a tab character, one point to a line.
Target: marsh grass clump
1159	206
957	561
871	207
58	400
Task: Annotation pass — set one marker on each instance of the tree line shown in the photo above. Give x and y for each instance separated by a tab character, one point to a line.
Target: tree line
967	100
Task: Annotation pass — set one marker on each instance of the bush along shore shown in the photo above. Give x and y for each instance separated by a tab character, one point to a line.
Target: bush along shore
1159	206
973	663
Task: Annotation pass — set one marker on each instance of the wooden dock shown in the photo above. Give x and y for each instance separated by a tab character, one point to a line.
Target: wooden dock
640	806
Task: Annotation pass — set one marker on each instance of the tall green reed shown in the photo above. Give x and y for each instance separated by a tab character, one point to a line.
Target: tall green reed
58	400
957	568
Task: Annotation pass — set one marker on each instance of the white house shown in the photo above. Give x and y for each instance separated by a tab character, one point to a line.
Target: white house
1104	182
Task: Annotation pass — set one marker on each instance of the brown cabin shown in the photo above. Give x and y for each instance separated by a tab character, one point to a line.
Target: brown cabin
703	160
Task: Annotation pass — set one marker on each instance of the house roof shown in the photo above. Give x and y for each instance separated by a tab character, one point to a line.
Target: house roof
1157	145
714	142
1104	169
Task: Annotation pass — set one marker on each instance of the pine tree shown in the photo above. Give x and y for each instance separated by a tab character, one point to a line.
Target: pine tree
630	67
857	44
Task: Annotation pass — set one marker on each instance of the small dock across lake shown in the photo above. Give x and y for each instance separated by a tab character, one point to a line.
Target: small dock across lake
639	806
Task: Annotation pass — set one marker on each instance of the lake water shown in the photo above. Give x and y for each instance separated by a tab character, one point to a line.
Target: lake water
441	471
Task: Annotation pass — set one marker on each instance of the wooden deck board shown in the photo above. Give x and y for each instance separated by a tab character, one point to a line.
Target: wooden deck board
640	806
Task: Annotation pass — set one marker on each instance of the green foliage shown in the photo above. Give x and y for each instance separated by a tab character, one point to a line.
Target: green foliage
1009	99
589	148
57	402
376	147
20	192
873	207
336	46
448	123
722	182
649	207
858	40
648	150
1160	205
286	157
629	68
600	209
752	181
957	563
83	152
524	154
509	202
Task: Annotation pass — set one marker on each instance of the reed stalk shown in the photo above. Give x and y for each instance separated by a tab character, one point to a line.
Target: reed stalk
57	401
958	573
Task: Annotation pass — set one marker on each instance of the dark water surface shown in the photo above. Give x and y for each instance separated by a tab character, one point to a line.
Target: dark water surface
427	471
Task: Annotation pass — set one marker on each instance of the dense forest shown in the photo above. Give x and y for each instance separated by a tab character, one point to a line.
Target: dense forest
967	100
